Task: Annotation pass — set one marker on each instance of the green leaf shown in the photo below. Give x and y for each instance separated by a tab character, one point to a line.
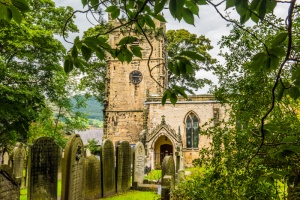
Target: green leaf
115	14
193	55
289	139
128	55
84	3
270	6
78	64
279	39
8	16
74	52
136	50
165	97
254	18
201	2
3	11
160	18
86	52
149	21
68	65
77	42
173	8
22	5
262	9
295	149
173	98
159	6
258	60
230	3
188	16
127	40
254	4
180	91
294	93
111	8
278	51
95	4
274	62
16	14
100	53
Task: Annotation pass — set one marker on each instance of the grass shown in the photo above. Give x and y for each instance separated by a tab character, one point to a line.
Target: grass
154	175
135	195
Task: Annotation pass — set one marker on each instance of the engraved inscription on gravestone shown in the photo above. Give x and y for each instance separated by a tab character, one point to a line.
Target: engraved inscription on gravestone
108	168
123	165
92	178
72	169
43	161
9	187
139	162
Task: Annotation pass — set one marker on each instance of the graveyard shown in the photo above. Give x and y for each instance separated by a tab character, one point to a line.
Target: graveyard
45	171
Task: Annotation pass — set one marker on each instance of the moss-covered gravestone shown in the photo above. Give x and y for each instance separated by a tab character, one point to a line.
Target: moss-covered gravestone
92	181
5	158
168	168
139	163
19	154
72	169
108	168
43	161
123	166
9	187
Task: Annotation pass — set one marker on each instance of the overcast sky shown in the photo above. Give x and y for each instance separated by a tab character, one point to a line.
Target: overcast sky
209	24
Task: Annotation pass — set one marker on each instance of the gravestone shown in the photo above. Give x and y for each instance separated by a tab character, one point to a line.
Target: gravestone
108	168
139	163
43	160
123	166
19	155
5	158
88	153
9	187
72	169
168	168
92	181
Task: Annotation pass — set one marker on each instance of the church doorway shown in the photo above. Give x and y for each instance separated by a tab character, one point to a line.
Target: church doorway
165	150
163	147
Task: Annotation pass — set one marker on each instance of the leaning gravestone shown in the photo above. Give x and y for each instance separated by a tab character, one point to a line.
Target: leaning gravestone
43	161
19	154
139	163
123	166
9	187
72	169
92	182
168	168
108	168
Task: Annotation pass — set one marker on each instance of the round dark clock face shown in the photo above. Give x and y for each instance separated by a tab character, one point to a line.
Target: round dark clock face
135	77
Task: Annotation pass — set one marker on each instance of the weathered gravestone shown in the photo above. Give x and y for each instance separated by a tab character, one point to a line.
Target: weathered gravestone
168	177
168	168
43	162
108	168
19	154
5	158
92	181
72	169
9	187
123	166
138	163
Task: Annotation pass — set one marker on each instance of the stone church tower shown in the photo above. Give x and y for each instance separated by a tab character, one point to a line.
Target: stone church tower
129	85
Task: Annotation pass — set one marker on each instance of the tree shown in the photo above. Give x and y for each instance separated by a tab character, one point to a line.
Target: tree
180	41
30	68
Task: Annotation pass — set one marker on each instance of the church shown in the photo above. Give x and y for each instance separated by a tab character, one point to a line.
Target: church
133	110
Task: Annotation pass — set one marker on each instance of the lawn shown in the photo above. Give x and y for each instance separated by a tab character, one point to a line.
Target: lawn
135	195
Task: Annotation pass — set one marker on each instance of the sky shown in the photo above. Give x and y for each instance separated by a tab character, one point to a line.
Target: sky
209	24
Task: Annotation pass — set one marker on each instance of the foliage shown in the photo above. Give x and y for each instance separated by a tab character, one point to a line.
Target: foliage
154	175
183	41
30	70
93	146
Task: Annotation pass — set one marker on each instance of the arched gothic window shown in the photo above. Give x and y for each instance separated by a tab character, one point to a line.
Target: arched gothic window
192	131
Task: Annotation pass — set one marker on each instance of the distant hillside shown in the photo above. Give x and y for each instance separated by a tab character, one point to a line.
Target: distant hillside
93	108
